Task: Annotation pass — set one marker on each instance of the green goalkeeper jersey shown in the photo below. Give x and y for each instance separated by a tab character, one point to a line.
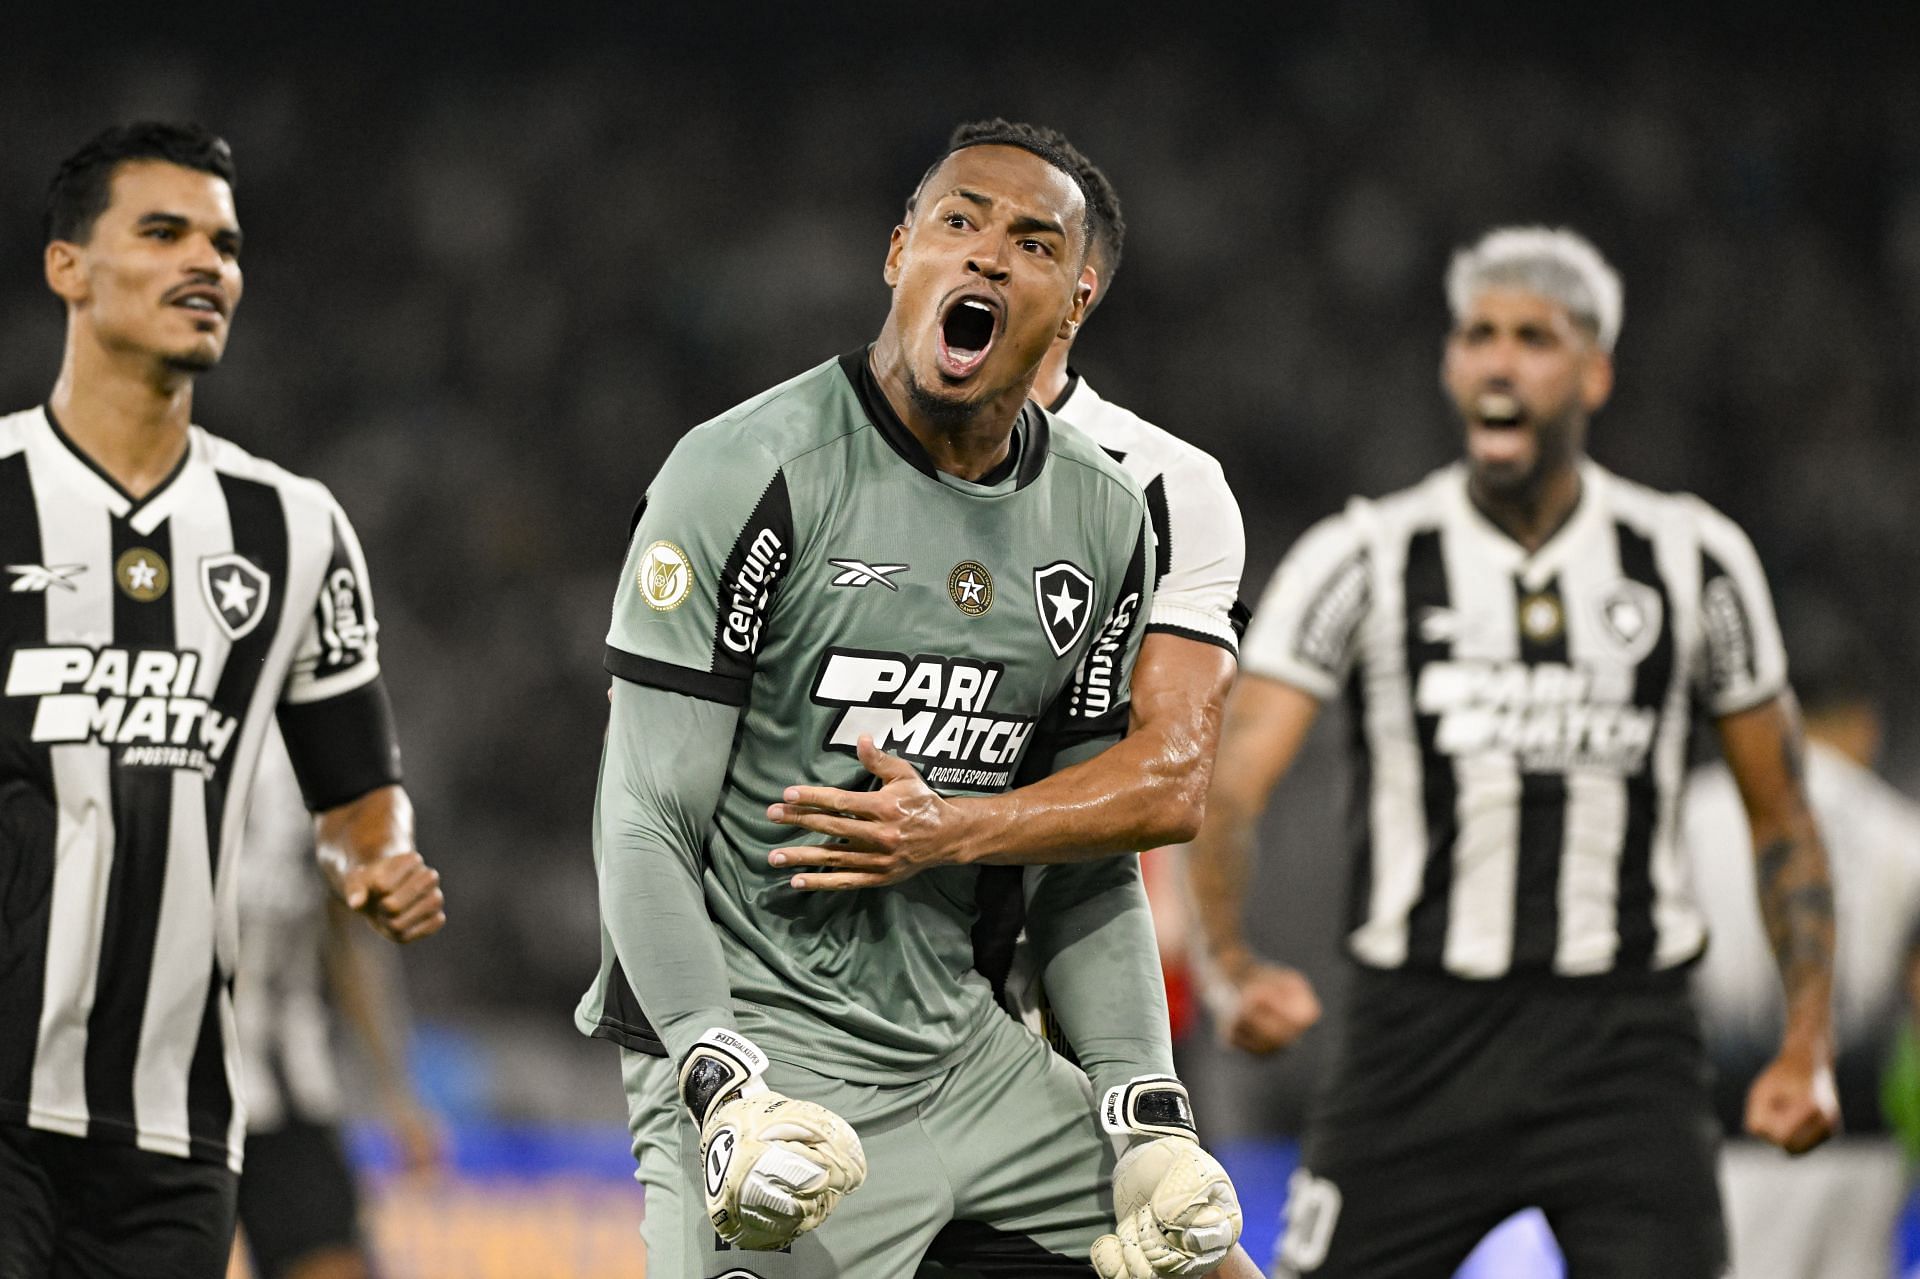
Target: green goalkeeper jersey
801	575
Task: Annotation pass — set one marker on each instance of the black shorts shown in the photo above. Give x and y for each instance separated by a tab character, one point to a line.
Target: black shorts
297	1197
1454	1105
77	1209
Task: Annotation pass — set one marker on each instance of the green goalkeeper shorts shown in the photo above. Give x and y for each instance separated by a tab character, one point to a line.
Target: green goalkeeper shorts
995	1168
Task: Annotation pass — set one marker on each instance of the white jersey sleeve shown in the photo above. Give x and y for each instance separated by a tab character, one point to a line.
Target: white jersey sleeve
1305	629
1741	661
338	650
1202	545
1203	549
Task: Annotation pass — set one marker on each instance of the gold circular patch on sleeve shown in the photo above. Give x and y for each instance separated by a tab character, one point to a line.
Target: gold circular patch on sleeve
665	577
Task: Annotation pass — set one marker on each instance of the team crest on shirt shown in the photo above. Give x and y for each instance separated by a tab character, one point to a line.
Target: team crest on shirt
1630	617
665	578
141	574
236	590
1063	593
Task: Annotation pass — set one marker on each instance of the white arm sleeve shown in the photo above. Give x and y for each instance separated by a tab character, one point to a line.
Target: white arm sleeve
1203	550
1304	632
339	650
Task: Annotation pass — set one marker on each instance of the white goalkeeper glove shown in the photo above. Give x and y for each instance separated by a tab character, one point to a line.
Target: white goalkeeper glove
1176	1209
773	1166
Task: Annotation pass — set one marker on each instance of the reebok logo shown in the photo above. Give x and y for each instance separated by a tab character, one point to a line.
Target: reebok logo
860	573
38	577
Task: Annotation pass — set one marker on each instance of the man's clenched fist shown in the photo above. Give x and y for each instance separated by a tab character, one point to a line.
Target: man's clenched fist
775	1166
1177	1213
399	893
772	1166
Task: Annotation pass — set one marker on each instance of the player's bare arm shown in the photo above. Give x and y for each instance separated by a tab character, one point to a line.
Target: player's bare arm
365	846
1792	1103
1263	1007
1147	790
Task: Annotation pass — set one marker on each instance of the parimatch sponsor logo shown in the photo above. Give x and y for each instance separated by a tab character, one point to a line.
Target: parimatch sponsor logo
1549	716
933	711
138	700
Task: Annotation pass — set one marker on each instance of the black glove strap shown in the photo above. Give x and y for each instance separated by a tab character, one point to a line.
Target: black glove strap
720	1066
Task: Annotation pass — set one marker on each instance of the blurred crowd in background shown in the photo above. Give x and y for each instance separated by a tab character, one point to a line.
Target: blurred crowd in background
493	273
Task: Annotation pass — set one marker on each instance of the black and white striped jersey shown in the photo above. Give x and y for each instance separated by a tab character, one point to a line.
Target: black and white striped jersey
1202	546
280	1002
1520	721
145	645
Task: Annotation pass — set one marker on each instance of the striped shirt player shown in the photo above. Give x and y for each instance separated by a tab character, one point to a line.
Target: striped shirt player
1520	722
1522	641
147	645
165	592
1519	726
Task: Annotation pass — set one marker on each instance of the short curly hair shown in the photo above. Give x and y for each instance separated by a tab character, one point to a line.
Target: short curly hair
1106	229
83	185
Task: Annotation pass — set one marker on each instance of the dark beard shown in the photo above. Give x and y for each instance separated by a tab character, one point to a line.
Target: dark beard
946	414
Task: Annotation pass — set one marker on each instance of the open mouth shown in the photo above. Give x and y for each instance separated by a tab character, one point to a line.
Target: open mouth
1495	433
1499	410
967	331
201	301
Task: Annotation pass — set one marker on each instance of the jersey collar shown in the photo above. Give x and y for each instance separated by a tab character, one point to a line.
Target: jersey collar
1030	433
144	513
1499	549
1067	392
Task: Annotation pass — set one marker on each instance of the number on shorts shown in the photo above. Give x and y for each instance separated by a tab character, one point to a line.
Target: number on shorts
1313	1209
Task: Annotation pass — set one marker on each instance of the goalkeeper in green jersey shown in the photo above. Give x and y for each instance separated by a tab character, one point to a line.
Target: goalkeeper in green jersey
893	551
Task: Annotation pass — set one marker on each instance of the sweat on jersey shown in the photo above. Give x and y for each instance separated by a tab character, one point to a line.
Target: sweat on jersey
146	646
800	575
1520	720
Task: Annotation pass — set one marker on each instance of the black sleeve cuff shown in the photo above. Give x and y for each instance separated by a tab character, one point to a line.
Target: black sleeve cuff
708	687
1165	628
342	747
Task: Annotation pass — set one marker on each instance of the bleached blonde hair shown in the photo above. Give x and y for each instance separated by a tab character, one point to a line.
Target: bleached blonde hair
1552	261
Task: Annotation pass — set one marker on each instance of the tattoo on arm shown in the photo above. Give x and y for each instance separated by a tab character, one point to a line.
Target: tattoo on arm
1796	903
1793	756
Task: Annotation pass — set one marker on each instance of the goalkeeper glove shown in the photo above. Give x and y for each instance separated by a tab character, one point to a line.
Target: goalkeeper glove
1177	1212
773	1166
